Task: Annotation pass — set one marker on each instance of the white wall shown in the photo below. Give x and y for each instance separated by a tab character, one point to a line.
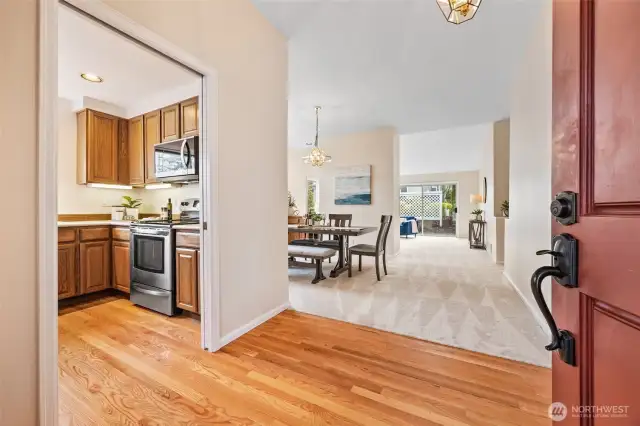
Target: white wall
529	225
379	148
18	174
250	57
152	200
467	184
442	151
486	171
171	96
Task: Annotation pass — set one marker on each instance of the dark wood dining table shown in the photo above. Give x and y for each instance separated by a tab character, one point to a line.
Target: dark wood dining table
342	232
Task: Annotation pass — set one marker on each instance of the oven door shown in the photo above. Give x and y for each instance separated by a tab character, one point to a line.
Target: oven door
177	160
152	257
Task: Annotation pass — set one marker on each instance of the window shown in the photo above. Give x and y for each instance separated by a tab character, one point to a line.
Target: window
312	195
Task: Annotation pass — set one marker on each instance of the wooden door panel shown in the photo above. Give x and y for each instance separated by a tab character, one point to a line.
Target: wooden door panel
123	151
595	154
102	147
136	150
121	266
170	122
151	138
189	118
67	277
616	84
94	266
187	279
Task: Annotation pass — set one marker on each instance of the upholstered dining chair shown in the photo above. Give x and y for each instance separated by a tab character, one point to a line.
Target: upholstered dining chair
377	250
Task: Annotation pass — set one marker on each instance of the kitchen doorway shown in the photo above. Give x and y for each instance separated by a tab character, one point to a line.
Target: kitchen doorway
99	242
433	206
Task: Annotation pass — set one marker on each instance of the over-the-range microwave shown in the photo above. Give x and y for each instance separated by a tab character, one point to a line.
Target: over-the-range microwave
177	161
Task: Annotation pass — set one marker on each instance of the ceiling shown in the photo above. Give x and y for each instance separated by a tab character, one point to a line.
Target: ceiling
131	73
372	63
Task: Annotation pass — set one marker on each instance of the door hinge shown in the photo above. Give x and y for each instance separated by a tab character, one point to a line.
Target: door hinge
204	226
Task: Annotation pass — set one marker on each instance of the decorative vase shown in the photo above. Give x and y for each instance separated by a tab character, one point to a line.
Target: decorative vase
132	213
292	211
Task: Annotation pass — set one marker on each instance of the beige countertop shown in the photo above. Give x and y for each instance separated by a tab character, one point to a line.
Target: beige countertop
94	223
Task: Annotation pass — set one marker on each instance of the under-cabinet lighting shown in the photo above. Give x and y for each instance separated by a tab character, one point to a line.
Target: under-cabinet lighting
108	186
158	186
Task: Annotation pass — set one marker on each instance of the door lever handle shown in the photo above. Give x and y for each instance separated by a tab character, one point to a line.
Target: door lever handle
551	252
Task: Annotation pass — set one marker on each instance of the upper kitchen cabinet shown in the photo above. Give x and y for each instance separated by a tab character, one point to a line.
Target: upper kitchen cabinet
189	118
151	137
136	150
98	147
170	122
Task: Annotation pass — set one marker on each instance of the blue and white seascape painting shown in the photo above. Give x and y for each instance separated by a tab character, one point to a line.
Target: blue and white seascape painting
353	186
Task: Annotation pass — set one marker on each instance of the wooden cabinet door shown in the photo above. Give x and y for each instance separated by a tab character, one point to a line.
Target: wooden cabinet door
189	118
151	138
95	266
121	266
102	148
67	277
123	151
187	279
170	122
136	150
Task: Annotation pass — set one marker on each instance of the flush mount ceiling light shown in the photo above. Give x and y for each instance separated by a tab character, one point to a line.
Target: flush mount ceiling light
317	157
458	11
91	77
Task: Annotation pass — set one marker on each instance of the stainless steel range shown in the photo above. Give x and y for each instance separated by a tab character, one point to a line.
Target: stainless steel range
153	278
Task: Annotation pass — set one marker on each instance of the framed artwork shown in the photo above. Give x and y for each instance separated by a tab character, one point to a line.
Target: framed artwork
353	186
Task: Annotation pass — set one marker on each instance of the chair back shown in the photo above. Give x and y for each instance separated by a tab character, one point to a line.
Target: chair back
383	233
339	220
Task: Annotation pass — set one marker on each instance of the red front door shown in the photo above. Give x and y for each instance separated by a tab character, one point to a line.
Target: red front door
596	154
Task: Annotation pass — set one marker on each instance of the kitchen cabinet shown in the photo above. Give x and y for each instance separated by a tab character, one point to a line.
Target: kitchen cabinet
170	123
187	279
151	138
136	150
95	266
67	276
98	147
189	118
123	151
121	265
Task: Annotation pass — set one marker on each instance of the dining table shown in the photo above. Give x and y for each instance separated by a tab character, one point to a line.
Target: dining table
342	232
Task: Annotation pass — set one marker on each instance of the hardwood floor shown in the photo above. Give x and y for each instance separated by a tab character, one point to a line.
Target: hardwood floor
123	365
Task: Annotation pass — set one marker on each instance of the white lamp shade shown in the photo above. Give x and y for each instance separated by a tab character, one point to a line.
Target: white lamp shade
475	198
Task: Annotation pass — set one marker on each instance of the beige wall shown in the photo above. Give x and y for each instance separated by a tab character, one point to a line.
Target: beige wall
529	224
467	185
250	56
18	126
379	148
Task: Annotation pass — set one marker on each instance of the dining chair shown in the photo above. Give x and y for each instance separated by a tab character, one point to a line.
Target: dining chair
373	250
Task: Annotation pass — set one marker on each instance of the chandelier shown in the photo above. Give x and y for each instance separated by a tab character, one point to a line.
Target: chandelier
459	11
317	157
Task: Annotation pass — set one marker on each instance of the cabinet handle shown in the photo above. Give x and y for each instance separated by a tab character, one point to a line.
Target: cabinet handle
150	292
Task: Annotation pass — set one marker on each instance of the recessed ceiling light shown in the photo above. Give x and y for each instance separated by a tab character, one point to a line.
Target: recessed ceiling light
91	77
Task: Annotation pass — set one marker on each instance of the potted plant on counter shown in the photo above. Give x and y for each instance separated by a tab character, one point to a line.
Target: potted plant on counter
131	207
315	218
504	208
477	213
293	209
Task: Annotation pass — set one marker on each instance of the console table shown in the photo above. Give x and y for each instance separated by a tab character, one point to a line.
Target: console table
476	234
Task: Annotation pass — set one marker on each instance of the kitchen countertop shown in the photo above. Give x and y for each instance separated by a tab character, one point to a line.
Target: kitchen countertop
187	227
94	223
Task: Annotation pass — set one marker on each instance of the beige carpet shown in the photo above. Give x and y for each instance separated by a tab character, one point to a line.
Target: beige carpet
437	289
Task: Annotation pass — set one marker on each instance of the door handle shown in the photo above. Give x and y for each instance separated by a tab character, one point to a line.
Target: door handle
564	271
184	163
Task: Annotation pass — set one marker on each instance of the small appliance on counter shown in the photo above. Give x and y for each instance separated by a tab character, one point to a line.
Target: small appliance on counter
153	251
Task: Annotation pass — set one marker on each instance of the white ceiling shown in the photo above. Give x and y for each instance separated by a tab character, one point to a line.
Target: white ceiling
373	63
132	74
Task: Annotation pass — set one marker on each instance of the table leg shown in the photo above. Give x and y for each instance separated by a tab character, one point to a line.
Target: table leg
342	263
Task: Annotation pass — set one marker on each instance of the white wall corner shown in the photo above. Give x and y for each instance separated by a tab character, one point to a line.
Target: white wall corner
230	337
534	309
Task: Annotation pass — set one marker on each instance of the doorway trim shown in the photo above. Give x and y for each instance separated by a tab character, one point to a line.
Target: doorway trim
48	183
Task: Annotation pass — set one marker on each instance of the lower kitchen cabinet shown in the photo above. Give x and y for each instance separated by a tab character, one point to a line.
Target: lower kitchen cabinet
67	272
187	279
95	266
120	255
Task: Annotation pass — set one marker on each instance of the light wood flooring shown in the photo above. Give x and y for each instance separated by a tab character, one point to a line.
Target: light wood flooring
123	365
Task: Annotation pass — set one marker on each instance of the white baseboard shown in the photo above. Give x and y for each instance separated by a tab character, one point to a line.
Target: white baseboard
230	337
533	308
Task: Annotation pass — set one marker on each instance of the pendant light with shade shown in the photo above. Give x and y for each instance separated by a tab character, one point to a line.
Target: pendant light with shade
317	157
458	11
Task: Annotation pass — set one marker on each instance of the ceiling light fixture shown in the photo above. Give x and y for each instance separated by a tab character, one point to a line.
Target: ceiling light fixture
458	11
93	78
317	157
